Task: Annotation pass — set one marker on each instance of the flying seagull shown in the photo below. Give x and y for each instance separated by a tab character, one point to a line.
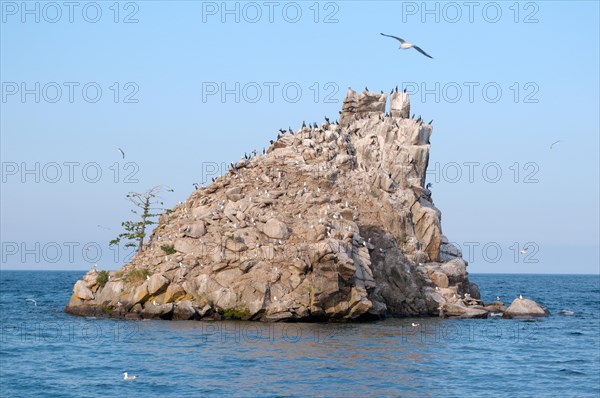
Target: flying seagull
554	143
404	45
32	300
524	250
122	153
127	377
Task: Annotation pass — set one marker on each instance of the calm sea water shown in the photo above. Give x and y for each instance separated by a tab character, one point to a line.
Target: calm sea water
45	352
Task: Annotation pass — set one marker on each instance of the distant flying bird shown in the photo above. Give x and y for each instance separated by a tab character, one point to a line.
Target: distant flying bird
414	325
554	143
524	250
127	377
404	45
122	153
32	300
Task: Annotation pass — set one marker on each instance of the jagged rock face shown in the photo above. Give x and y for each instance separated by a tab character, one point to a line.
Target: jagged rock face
332	223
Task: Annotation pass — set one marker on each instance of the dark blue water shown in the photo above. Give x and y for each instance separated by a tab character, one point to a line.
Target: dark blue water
45	352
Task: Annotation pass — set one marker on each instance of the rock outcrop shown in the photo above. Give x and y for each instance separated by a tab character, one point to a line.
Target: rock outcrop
331	223
524	308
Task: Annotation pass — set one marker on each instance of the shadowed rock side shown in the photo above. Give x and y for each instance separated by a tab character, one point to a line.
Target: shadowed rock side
332	223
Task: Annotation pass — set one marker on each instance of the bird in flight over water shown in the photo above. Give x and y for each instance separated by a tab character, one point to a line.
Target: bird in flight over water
122	153
554	143
404	45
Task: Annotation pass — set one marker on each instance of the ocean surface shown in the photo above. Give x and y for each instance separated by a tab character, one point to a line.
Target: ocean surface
45	352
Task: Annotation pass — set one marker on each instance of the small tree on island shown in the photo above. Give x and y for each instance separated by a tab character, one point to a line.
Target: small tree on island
149	206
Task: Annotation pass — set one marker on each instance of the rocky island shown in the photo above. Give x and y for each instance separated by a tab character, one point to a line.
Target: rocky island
331	223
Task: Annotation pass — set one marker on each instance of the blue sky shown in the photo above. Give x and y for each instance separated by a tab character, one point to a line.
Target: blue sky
507	80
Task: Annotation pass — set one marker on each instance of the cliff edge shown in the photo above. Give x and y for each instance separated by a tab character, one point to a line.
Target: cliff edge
331	223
